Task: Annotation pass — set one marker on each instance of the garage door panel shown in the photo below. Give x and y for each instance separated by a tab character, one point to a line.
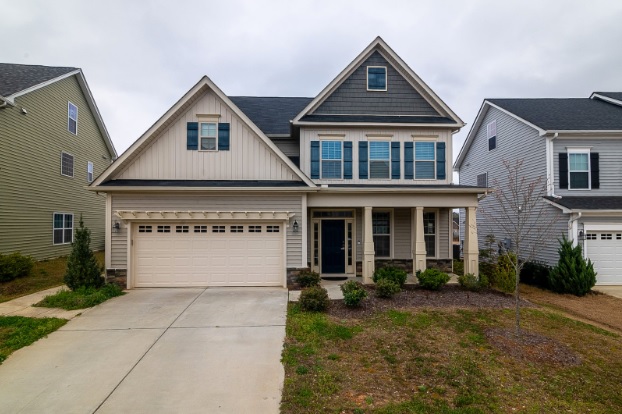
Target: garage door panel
605	251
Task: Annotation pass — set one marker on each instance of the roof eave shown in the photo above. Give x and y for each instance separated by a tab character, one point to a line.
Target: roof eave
159	189
378	124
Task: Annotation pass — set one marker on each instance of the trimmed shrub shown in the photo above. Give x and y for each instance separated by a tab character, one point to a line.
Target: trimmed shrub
82	267
458	266
386	288
484	281
314	299
432	279
536	274
15	265
307	278
573	274
353	293
505	276
469	282
391	273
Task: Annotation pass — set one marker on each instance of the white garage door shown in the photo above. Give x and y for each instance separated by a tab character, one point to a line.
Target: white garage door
232	254
605	251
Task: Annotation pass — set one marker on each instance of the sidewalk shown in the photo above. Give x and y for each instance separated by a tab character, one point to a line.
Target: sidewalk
22	306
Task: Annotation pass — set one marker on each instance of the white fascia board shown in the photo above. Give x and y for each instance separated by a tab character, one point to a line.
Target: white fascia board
376	124
419	190
155	189
585	133
602	227
564	210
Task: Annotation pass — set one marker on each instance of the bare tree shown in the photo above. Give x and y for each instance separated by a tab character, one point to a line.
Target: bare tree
519	211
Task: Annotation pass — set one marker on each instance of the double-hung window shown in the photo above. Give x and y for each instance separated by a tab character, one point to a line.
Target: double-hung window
425	160
332	159
379	159
579	169
72	118
381	227
491	134
89	171
63	228
207	136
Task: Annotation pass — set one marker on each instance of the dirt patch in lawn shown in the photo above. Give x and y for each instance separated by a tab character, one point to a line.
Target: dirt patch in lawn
602	309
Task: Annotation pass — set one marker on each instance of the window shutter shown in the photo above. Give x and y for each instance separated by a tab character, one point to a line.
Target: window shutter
408	161
563	170
440	161
315	159
595	170
347	160
223	137
395	161
363	159
192	136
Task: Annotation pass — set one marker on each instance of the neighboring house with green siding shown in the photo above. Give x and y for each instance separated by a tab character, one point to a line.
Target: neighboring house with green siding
53	143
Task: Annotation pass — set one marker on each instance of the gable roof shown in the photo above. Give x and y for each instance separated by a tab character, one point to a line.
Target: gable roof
178	108
271	114
379	46
17	80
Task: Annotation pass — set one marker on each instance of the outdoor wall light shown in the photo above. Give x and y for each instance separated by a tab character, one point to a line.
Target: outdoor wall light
581	235
116	227
295	226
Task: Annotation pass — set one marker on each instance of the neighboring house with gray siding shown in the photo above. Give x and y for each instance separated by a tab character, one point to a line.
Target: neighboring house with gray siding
575	146
245	191
54	144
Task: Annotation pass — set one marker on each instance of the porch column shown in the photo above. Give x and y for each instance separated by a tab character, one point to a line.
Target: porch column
418	241
368	246
470	248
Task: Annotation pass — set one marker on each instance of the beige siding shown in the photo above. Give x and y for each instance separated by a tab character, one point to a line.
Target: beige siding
401	233
31	185
358	134
167	157
181	202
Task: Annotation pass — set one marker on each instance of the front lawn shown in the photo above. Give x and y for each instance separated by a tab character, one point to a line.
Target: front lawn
448	360
17	332
84	297
45	274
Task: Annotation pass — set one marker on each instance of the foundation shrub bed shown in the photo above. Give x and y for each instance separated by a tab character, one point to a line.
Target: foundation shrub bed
432	279
307	278
353	293
390	273
386	288
314	299
15	265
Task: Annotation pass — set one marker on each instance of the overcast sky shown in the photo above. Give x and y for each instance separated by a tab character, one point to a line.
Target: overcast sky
139	58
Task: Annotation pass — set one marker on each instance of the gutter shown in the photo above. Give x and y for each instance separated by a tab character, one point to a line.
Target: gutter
5	102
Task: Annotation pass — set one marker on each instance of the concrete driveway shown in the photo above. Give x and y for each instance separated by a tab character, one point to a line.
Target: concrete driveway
186	350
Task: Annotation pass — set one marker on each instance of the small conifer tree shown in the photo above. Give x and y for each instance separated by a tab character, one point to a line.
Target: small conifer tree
82	267
573	274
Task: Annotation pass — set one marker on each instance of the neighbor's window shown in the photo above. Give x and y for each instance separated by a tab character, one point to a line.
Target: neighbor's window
425	159
429	233
63	228
89	171
379	159
376	78
381	226
491	134
332	156
72	118
579	170
482	180
207	136
66	164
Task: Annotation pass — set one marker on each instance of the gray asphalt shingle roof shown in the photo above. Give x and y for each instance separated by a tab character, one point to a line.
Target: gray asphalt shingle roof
569	114
588	203
15	78
271	114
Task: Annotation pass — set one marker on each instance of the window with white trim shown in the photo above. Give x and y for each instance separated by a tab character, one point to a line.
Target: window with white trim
425	160
376	78
381	228
491	134
379	159
89	171
66	164
207	136
63	228
332	159
429	233
579	169
72	118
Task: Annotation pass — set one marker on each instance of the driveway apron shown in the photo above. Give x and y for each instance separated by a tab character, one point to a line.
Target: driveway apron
191	350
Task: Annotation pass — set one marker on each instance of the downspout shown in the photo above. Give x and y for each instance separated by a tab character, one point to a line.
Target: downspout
550	163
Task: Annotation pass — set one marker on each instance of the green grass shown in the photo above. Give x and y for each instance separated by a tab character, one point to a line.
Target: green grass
80	298
17	332
440	361
45	274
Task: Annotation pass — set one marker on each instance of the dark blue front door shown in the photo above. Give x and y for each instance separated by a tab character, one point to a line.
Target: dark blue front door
333	246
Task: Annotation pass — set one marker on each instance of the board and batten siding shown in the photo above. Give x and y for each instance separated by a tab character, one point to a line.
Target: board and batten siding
31	185
609	163
515	141
167	158
390	134
185	202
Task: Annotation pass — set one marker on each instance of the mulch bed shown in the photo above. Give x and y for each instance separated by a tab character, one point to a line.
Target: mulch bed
450	296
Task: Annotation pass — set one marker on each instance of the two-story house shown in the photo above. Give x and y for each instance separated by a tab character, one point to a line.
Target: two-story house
575	146
53	145
226	191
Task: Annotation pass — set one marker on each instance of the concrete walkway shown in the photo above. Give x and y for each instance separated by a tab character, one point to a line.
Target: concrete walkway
186	350
22	306
610	290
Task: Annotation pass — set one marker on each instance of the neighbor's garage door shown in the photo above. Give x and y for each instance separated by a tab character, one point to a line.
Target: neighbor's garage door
208	254
605	251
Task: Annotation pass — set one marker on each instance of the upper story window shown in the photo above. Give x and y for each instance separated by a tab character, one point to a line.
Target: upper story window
332	156
579	169
376	78
89	171
491	134
66	164
425	160
207	136
72	118
379	159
